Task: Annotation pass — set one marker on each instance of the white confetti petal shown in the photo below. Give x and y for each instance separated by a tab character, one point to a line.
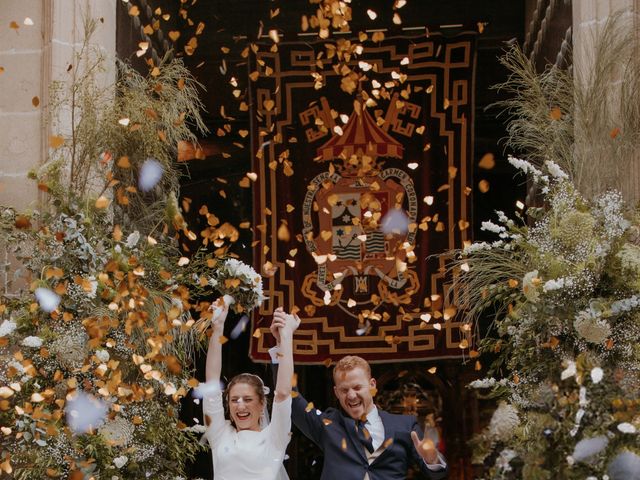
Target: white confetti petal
240	327
85	412
626	427
327	297
206	388
568	372
395	221
596	375
150	174
625	466
47	299
588	447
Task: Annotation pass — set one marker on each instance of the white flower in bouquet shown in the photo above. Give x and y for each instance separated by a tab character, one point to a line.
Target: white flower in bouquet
132	239
504	421
71	348
92	287
557	284
483	383
492	227
592	329
530	284
32	341
629	256
506	455
119	431
475	247
7	328
555	170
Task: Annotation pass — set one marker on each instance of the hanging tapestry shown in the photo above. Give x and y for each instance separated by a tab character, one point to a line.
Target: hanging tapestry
359	184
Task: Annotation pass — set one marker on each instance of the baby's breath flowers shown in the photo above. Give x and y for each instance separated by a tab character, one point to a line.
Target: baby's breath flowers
566	286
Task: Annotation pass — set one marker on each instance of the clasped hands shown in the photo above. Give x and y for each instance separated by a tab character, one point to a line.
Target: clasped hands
283	324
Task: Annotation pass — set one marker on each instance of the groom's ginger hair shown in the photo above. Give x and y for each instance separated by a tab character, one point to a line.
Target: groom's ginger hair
348	363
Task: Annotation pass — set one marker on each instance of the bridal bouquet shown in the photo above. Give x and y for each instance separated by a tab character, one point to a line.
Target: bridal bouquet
239	284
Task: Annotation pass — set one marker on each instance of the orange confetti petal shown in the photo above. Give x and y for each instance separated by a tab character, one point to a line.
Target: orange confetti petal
487	161
56	141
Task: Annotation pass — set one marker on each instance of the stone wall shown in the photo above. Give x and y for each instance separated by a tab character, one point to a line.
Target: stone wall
38	41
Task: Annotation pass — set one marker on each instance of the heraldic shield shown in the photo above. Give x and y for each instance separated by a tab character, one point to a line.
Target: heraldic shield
368	262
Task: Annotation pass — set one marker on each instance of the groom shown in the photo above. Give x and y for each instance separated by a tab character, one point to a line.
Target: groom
362	442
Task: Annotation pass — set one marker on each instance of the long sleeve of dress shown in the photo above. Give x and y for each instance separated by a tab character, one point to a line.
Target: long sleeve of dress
280	426
214	420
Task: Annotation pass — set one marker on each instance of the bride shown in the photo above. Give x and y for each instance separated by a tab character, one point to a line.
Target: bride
247	446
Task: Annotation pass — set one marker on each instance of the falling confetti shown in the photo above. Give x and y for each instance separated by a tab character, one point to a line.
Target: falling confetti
240	327
85	412
150	174
47	299
487	161
395	222
206	388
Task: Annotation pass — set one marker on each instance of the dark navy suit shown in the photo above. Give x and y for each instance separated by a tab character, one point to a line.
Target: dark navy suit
344	456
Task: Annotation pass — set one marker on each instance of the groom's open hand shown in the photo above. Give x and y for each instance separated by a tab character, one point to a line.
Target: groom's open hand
425	448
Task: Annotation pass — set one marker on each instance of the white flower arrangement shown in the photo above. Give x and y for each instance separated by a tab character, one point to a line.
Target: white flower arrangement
32	342
7	328
504	421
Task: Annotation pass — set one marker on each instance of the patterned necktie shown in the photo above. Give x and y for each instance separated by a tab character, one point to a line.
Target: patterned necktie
364	436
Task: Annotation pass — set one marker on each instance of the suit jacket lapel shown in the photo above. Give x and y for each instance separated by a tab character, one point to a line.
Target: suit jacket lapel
350	427
389	433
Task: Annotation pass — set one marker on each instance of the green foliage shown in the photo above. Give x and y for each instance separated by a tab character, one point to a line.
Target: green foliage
114	129
561	285
100	303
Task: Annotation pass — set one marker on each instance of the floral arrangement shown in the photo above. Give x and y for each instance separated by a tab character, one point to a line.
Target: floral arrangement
96	334
565	336
558	285
103	317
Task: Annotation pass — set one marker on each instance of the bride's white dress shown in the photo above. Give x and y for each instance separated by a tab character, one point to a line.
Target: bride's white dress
245	454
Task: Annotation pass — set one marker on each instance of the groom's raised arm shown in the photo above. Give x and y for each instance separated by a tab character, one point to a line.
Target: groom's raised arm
308	420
